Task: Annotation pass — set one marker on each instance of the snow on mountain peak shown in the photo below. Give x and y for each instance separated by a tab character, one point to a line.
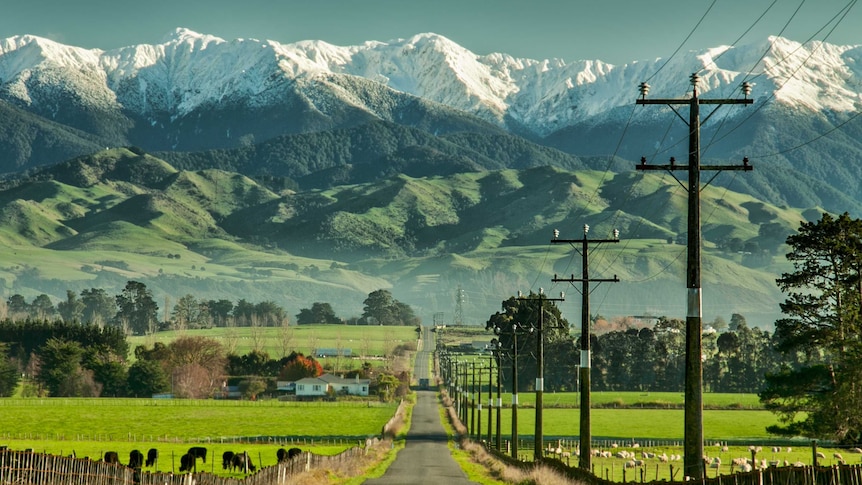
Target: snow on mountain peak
189	69
182	35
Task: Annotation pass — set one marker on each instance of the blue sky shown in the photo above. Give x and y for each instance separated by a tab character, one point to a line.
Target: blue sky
616	31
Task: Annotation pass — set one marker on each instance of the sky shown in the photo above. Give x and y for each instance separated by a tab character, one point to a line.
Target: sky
614	31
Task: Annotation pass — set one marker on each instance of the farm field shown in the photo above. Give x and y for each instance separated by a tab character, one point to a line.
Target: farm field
711	400
638	424
372	342
89	427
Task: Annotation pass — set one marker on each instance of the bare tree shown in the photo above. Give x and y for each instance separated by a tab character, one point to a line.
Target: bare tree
286	335
231	337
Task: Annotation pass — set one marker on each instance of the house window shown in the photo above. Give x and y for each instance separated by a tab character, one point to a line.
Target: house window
364	388
300	387
344	389
315	387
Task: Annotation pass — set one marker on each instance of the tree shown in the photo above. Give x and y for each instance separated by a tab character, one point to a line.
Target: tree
146	377
71	310
219	311
109	370
9	374
197	366
269	313
524	313
137	309
318	313
188	313
42	308
17	307
61	372
821	335
250	388
381	308
298	366
99	307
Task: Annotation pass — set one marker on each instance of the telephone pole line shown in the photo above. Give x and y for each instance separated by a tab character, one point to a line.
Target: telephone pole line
538	442
584	369
693	441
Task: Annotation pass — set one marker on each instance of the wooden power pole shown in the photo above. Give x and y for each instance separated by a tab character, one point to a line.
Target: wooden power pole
693	440
585	431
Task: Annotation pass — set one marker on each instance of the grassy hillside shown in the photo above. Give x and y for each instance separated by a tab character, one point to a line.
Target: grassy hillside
122	214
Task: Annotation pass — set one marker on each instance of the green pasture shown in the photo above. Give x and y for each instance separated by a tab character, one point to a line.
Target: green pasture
179	419
262	454
711	400
636	423
369	342
89	427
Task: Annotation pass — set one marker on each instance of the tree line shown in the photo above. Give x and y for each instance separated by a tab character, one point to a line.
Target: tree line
136	312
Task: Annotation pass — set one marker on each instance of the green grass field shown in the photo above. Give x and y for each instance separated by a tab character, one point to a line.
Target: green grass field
642	399
89	427
363	341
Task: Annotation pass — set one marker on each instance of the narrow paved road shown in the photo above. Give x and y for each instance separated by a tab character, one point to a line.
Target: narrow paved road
426	458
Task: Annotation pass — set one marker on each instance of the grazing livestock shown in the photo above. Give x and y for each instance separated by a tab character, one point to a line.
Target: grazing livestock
198	452
112	457
293	452
243	462
152	457
188	462
136	459
281	455
226	460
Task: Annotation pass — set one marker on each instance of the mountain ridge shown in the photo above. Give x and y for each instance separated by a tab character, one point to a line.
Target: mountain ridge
172	230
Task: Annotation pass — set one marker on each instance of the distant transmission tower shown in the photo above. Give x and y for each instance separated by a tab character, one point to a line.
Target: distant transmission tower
459	307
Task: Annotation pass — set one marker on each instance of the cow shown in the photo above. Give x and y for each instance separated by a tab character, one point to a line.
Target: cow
281	454
112	457
152	457
227	460
136	459
198	452
291	453
241	461
188	462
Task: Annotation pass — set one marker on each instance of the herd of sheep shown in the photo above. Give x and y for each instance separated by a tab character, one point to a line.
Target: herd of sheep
640	459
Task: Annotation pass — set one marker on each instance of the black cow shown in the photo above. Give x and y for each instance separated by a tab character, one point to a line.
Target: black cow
152	457
136	459
293	452
227	460
198	452
241	460
187	462
281	454
112	457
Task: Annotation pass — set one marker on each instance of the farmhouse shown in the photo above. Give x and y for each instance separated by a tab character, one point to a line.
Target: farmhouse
330	384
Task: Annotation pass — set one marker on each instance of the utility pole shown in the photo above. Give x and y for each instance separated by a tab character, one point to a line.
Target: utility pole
478	434
584	370
499	331
497	352
540	370
490	395
693	441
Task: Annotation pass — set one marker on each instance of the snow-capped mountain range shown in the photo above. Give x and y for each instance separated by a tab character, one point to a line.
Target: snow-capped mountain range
188	71
195	91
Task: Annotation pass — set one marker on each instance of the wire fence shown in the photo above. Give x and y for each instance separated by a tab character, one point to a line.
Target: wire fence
26	468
